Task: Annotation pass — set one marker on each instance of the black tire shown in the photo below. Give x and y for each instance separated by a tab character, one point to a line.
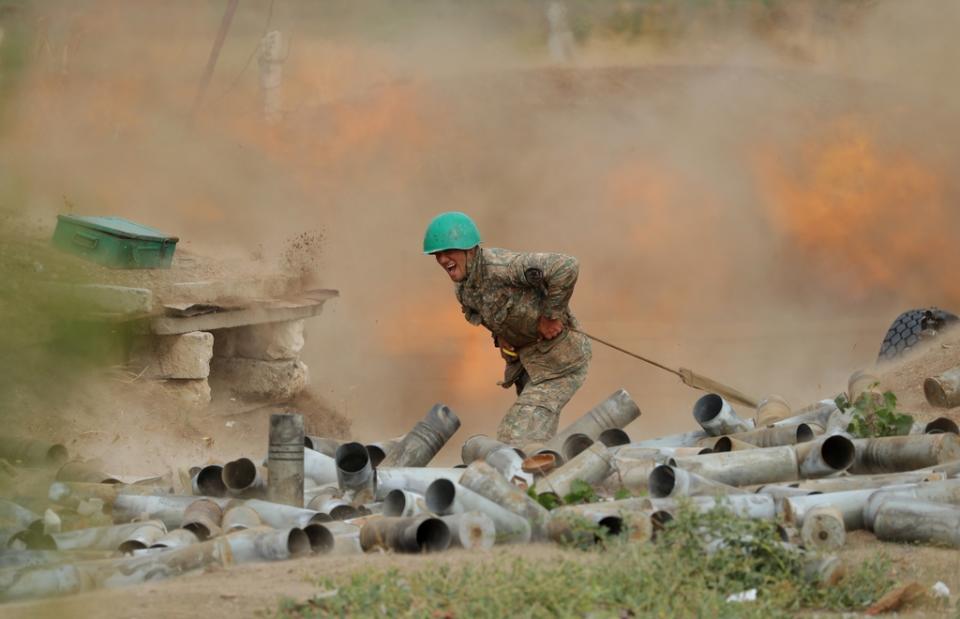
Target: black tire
911	327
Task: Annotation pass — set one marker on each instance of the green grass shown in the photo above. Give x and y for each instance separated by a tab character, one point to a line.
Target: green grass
676	576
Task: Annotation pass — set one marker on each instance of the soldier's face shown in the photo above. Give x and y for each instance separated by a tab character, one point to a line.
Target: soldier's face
454	262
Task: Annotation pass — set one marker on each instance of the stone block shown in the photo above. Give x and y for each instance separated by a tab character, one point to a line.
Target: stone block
270	341
184	356
194	393
256	379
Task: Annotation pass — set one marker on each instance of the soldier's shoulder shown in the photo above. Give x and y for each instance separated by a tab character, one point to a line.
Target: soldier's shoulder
496	258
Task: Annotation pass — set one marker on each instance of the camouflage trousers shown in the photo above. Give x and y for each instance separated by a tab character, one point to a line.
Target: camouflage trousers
534	417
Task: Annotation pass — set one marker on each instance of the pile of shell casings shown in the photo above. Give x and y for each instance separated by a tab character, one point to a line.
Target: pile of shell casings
320	496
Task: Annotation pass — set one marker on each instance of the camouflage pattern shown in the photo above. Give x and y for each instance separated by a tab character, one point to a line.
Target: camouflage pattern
507	292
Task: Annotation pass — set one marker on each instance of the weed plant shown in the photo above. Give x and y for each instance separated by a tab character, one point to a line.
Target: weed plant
697	562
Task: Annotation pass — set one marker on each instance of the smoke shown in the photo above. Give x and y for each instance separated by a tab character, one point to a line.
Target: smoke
754	195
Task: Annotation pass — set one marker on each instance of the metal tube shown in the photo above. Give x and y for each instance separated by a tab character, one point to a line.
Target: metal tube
169	508
941	425
892	454
355	472
486	481
717	417
686	439
849	503
592	466
479	446
346	537
320	538
757	506
827	455
944	390
203	517
381	449
667	481
267	544
862	482
574	445
318	468
616	411
633	475
286	459
911	521
281	516
614	437
415	479
102	538
178	538
770	410
417	534
239	517
471	530
242	476
426	438
946	491
336	508
32	452
816	414
823	529
403	503
776	436
322	444
209	481
782	491
763	465
141	538
51	580
723	444
445	497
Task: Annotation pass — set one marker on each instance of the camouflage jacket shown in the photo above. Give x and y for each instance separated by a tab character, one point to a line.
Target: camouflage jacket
508	292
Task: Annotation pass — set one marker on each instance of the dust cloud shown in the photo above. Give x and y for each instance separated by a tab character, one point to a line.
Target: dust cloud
753	195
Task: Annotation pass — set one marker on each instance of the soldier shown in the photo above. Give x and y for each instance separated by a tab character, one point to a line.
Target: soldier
523	299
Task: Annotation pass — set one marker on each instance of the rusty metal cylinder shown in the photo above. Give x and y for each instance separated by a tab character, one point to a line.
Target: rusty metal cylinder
239	517
479	446
945	491
667	481
827	455
379	450
892	454
268	544
427	437
203	517
280	515
141	538
209	481
774	437
717	417
614	437
913	521
355	471
168	508
616	411
817	414
84	472
941	425
592	466
416	534
720	444
823	529
30	452
770	410
443	497
471	530
574	445
486	481
403	503
285	459
243	476
743	468
943	391
102	538
178	538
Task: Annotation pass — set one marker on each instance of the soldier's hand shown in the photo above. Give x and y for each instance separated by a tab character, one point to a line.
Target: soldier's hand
549	328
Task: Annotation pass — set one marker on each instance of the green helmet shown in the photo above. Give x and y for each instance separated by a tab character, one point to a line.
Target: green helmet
451	230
